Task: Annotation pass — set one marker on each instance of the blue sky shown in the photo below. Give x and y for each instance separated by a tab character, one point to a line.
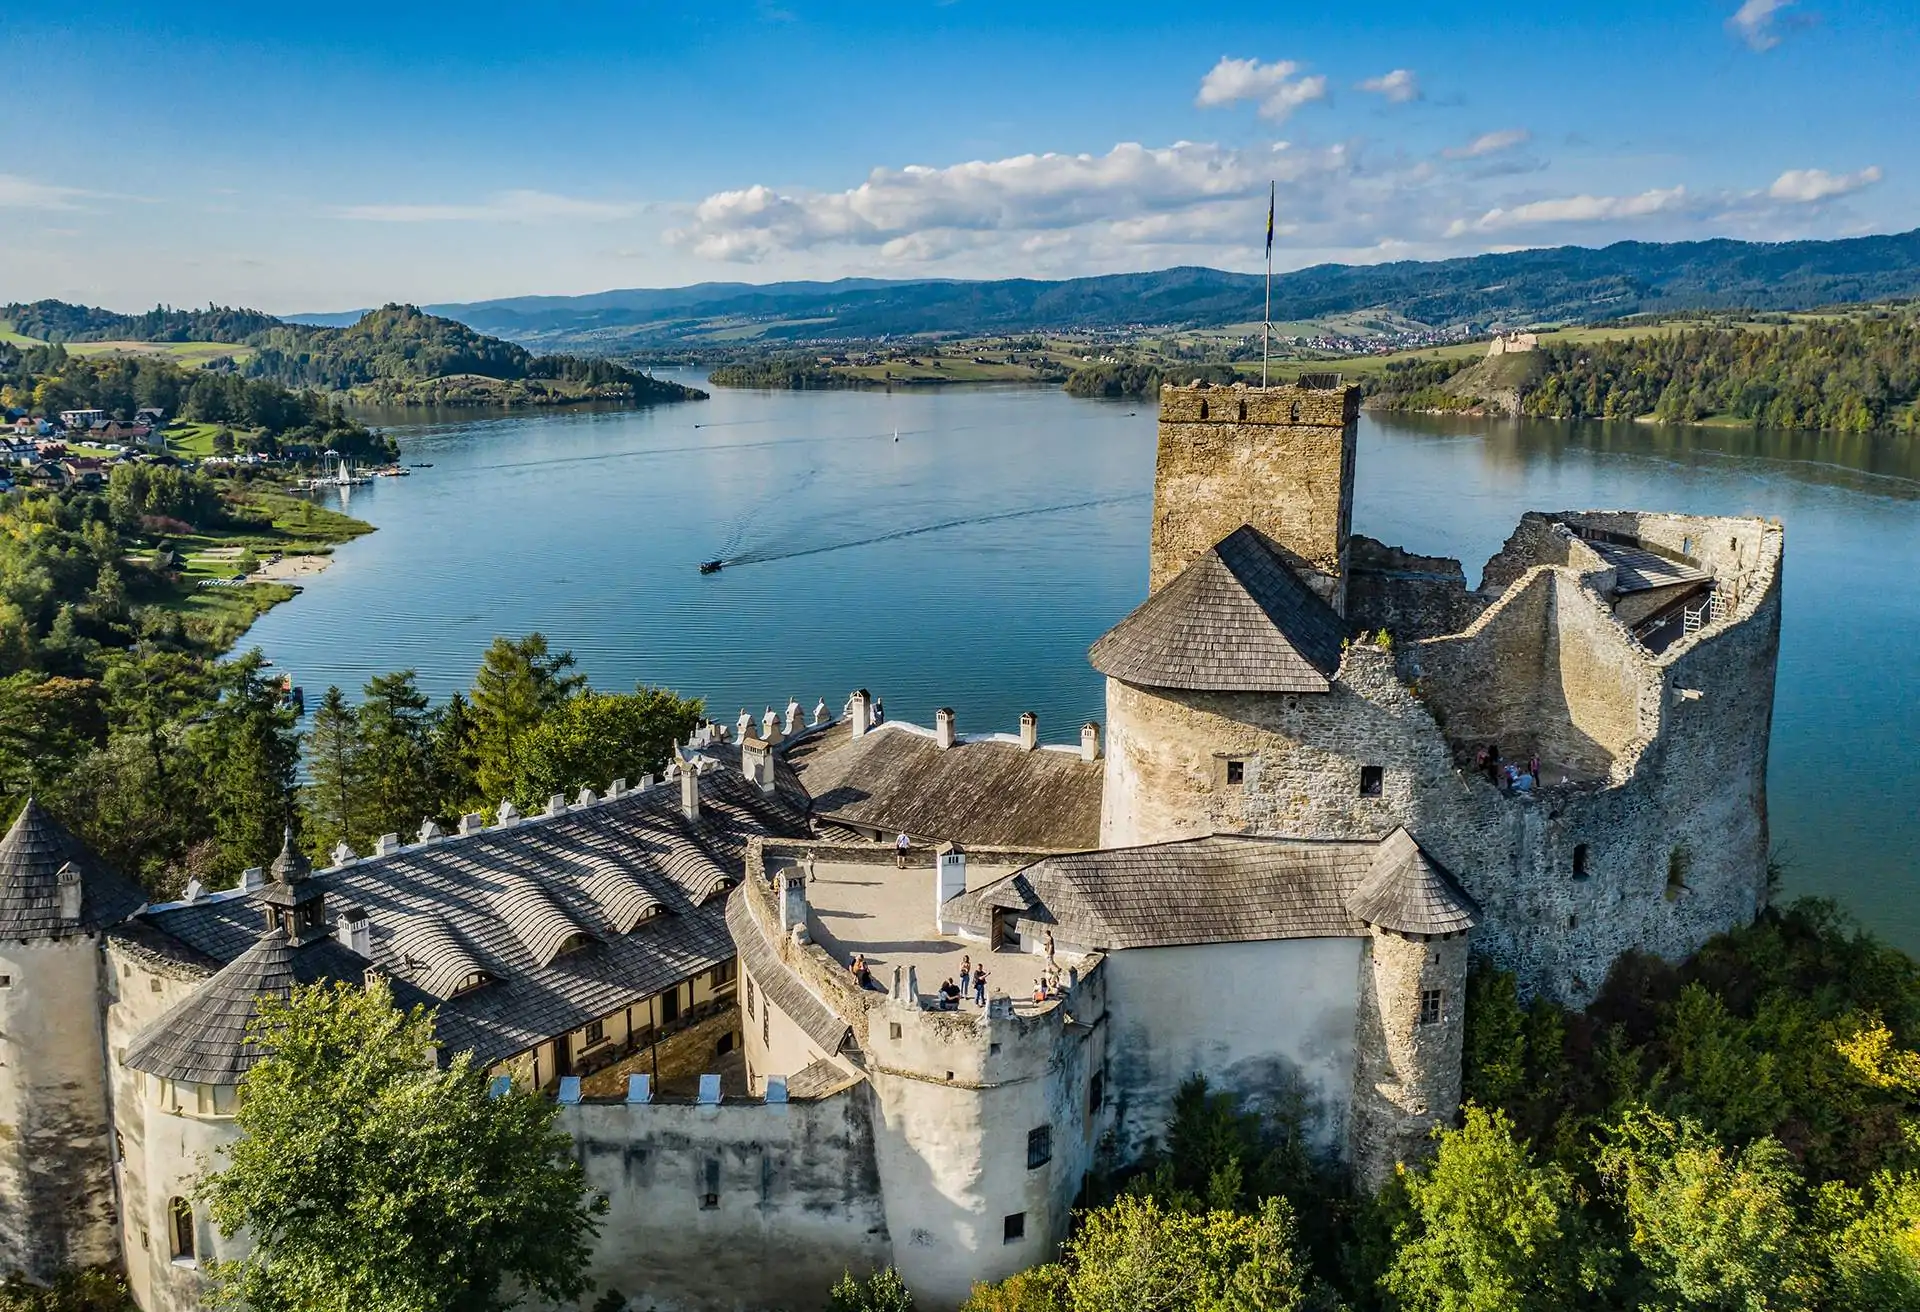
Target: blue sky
299	157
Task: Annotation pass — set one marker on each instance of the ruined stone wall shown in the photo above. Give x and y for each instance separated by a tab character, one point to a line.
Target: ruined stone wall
1280	459
56	1177
744	1205
1410	596
1272	1021
1407	1073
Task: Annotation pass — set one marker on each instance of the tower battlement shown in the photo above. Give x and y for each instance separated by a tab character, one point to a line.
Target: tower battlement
1278	458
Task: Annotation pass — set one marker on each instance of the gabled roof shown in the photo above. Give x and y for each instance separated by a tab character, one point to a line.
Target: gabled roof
1406	890
32	855
1227	889
1237	619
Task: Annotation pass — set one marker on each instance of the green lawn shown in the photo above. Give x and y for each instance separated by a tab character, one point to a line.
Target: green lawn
184	353
11	338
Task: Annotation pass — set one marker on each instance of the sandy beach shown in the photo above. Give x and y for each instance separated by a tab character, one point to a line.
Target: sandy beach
289	568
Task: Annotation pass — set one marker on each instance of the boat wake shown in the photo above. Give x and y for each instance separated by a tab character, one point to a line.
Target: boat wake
768	556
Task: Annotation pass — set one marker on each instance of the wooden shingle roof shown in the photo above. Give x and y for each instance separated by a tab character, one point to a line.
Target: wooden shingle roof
1236	619
778	981
33	855
987	793
1226	889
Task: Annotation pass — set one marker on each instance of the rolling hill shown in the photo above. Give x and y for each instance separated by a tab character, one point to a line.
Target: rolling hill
1567	284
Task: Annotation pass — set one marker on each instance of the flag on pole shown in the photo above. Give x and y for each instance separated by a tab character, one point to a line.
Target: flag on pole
1272	189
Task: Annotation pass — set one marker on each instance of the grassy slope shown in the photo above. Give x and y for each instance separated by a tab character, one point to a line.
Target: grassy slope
183	353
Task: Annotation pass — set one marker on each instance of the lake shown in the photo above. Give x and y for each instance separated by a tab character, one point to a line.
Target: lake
963	547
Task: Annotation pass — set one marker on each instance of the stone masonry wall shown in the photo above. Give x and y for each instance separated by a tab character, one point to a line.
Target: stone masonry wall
1410	596
740	1206
1406	1078
56	1178
1280	459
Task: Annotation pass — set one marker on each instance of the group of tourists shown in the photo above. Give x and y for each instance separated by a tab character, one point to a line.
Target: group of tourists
1508	776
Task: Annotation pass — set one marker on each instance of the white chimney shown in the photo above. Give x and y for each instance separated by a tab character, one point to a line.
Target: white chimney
860	710
557	804
745	723
1090	741
689	791
355	931
820	713
429	830
796	718
943	728
585	797
509	814
342	853
756	763
949	881
72	891
386	845
793	900
472	822
1029	730
616	788
253	877
770	727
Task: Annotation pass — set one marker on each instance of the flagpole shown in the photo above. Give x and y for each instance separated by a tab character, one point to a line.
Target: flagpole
1266	326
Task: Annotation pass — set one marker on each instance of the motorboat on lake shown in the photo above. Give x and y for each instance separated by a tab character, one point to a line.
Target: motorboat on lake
712	566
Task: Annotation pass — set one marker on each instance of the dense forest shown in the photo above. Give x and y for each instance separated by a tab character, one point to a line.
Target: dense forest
798	373
1857	373
395	353
1141	378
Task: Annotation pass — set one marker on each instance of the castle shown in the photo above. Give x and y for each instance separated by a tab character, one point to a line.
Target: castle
1330	773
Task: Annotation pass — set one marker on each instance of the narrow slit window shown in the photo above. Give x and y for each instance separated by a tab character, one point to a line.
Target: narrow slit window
1579	860
1373	780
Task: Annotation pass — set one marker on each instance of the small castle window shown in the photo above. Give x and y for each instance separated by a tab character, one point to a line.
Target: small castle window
670	1005
1096	1092
1293	414
1203	409
1236	772
180	1229
1014	1228
893	1030
1580	861
6	981
723	974
750	1012
711	1198
1373	780
596	1032
1432	1006
766	1027
1243	412
1039	1147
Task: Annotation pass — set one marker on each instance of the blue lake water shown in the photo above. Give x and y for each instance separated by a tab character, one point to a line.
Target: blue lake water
589	526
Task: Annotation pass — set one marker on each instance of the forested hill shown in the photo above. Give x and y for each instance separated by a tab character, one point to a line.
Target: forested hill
1567	284
396	353
57	321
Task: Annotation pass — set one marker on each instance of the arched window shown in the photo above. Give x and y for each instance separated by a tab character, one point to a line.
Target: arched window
180	1229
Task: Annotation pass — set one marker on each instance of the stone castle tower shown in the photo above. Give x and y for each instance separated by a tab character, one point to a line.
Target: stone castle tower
56	1148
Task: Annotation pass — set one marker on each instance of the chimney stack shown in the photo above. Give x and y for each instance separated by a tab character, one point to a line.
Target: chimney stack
472	823
770	727
355	931
860	709
821	715
756	763
1090	741
793	900
949	881
430	830
796	718
342	853
508	814
943	728
1029	730
72	891
253	877
689	791
745	723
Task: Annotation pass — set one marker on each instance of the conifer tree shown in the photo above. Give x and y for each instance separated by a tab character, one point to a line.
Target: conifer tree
335	796
518	683
396	731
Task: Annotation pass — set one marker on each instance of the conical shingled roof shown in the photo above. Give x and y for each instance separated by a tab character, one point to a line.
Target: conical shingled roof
1237	619
1407	891
202	1039
32	855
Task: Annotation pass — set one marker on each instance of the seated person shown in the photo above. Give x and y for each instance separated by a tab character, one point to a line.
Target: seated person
860	970
949	996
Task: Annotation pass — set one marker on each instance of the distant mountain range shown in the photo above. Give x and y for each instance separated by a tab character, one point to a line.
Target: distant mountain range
1563	284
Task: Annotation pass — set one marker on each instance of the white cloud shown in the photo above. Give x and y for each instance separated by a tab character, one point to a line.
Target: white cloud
520	206
18	193
1574	209
1807	186
1398	87
1753	23
1273	85
1489	143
